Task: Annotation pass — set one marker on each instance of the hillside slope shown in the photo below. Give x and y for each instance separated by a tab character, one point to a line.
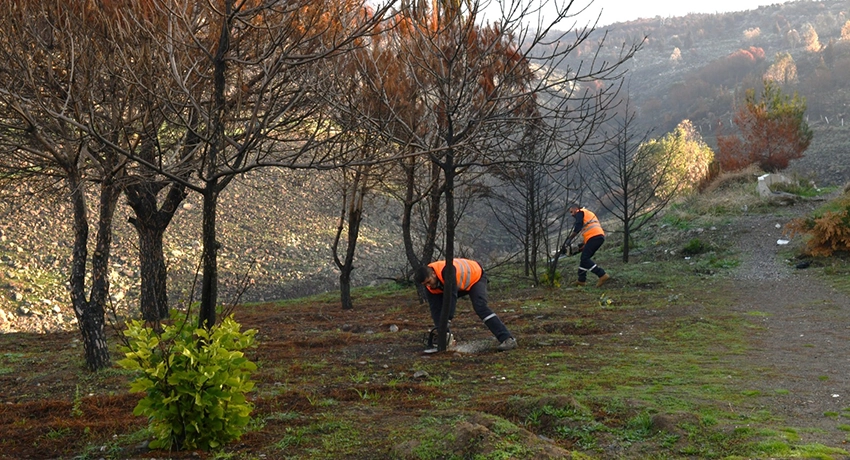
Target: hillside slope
695	67
275	245
276	227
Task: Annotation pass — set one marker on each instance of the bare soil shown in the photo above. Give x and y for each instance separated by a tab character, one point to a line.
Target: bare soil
802	349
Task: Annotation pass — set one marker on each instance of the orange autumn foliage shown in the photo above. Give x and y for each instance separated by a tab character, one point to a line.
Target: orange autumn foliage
827	234
772	131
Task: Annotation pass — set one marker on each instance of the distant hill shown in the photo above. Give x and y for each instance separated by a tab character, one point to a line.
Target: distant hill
695	67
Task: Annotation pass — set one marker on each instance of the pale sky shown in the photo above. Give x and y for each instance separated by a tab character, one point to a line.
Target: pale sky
626	10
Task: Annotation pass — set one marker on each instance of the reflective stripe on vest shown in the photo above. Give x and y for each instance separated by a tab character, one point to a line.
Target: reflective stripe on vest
591	226
467	273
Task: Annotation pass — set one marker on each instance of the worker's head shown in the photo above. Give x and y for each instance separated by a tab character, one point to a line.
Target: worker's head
574	208
426	277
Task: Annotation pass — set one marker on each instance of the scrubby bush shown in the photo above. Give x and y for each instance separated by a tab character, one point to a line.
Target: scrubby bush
551	278
195	381
681	157
827	231
694	247
772	131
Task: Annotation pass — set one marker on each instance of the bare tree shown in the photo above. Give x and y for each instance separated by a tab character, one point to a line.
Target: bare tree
632	187
154	197
135	123
58	78
417	183
355	183
468	90
529	198
241	84
354	187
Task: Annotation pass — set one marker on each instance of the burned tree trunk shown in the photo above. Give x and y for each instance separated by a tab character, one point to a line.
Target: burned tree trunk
150	223
90	310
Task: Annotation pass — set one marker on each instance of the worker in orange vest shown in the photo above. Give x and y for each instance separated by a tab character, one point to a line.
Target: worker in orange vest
587	224
472	282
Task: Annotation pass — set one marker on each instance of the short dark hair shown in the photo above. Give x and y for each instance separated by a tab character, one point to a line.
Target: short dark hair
422	273
574	205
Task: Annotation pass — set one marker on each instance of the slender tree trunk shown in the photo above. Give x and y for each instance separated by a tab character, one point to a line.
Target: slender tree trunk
436	193
430	238
358	191
526	238
449	278
150	224
532	220
407	212
354	220
355	217
90	311
342	264
209	279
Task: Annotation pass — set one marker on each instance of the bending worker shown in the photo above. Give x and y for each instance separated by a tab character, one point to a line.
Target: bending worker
471	281
588	225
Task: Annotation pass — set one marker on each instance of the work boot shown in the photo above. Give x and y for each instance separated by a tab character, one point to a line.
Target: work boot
603	279
578	283
508	344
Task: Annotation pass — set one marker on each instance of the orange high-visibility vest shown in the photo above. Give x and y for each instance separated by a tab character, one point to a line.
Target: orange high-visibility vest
467	272
590	226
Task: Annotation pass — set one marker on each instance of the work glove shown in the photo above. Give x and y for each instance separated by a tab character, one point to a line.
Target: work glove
563	249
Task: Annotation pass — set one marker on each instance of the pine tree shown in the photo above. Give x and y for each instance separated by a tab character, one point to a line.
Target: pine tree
772	131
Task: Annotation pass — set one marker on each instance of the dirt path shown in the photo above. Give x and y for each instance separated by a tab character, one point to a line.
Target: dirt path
802	346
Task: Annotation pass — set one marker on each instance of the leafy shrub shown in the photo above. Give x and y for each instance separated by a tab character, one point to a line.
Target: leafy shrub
195	381
681	158
551	278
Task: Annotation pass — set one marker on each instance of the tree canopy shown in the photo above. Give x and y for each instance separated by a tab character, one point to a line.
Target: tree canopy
772	131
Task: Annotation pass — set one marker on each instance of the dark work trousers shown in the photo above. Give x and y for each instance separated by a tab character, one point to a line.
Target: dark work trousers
587	264
478	295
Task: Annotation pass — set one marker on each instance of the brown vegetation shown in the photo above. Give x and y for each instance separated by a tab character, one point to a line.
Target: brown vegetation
827	233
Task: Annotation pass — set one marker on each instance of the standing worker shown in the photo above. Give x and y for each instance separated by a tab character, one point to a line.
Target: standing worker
471	281
588	225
